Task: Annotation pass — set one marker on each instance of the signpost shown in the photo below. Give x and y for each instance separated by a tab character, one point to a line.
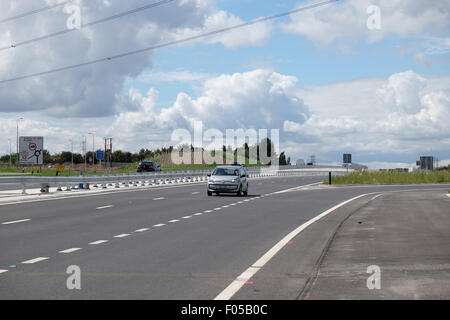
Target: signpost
100	156
347	160
31	150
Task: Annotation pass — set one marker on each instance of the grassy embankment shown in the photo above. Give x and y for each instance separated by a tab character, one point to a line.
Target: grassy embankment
392	177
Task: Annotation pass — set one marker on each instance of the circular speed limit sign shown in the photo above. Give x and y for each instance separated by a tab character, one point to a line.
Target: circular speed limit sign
32	146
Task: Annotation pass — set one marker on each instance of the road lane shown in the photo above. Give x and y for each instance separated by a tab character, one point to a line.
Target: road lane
57	225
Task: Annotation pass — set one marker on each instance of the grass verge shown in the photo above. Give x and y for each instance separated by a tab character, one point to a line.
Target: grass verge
387	177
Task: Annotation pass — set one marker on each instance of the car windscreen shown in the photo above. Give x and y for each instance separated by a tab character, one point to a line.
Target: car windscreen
226	172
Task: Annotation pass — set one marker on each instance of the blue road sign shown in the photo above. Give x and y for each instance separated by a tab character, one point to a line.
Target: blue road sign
100	155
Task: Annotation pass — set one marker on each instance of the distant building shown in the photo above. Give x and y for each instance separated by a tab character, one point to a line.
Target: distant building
300	163
426	163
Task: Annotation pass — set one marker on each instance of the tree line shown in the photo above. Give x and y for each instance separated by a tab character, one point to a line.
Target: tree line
147	154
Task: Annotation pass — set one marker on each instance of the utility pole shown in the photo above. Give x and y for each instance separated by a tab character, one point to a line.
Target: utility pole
108	152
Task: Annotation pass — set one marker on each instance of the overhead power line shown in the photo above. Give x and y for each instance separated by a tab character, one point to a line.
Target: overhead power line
171	43
35	11
90	24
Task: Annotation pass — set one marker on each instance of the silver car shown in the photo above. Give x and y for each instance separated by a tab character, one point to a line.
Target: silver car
228	179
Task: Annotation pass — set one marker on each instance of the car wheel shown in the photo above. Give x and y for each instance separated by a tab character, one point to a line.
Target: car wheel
239	193
209	193
246	192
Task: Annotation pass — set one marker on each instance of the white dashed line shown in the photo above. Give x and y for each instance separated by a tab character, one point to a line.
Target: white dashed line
225	206
122	235
217	209
195	192
104	207
157	199
98	242
3	271
35	260
187	217
159	225
233	204
241	202
17	221
198	214
208	211
142	230
174	221
70	250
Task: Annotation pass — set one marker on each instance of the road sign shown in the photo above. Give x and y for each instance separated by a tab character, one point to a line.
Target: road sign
347	158
100	155
31	150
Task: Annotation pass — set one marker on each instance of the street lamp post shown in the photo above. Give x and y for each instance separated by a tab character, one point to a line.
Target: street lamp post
18	119
93	148
10	158
85	152
71	167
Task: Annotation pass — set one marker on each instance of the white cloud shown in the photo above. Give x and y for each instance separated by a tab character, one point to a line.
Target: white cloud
404	114
257	99
345	22
92	91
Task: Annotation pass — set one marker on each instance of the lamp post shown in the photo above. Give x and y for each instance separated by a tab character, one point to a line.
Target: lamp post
18	119
85	152
71	167
10	158
93	148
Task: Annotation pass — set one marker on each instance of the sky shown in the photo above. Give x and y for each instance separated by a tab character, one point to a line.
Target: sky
334	79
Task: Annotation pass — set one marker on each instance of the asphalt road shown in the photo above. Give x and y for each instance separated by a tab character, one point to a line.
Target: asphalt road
166	243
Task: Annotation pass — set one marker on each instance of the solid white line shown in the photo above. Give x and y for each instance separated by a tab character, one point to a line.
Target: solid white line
174	221
122	235
105	207
70	250
142	230
35	260
3	271
98	242
17	221
156	199
237	284
159	225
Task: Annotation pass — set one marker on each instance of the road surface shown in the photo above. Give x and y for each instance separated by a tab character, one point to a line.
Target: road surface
175	242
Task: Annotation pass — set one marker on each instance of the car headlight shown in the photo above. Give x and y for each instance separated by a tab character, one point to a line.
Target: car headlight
235	180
